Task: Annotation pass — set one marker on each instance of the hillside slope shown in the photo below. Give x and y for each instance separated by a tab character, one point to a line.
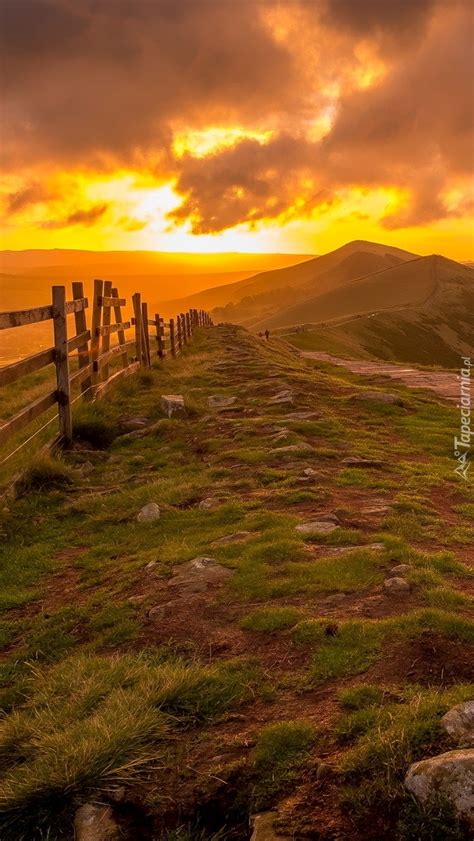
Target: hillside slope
421	311
242	652
260	290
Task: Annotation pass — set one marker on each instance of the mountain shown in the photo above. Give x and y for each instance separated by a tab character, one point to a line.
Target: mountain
420	311
265	291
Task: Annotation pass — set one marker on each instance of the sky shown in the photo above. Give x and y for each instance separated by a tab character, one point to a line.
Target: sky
237	125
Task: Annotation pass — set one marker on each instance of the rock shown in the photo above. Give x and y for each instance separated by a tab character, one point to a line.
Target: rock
316	527
449	776
299	416
232	538
220	401
459	723
208	503
199	574
263	827
324	771
400	570
374	509
130	423
173	404
282	397
357	461
149	513
291	448
142	597
338	550
151	565
378	397
308	471
95	822
118	795
396	586
158	612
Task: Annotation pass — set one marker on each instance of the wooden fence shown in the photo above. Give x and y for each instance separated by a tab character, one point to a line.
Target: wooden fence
95	351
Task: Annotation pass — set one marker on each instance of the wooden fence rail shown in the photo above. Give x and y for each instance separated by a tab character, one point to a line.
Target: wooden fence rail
94	350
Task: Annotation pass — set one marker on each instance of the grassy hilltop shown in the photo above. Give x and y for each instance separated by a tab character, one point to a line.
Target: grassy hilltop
285	680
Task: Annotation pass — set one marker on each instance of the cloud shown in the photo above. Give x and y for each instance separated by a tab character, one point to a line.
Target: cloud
101	85
79	217
33	193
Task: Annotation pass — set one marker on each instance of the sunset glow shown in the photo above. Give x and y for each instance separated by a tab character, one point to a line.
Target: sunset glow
312	145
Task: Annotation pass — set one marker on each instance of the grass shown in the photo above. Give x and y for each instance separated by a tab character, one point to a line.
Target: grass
279	753
95	694
271	619
96	722
43	474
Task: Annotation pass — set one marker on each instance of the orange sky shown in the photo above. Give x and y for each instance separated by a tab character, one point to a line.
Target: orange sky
252	126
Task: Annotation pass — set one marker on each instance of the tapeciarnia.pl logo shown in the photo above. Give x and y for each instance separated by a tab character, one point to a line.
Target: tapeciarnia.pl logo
462	445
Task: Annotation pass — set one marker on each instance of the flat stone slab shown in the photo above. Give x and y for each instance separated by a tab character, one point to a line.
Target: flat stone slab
400	570
317	527
291	448
198	575
358	461
173	404
232	538
282	397
302	416
339	550
220	401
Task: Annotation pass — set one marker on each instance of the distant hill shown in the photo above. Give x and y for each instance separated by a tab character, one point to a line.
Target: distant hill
421	311
267	290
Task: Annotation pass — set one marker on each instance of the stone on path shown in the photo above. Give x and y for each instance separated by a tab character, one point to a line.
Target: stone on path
232	538
459	723
358	461
291	448
263	828
400	570
338	550
149	513
300	416
198	575
378	397
208	503
285	396
173	404
131	423
396	586
220	401
317	527
448	776
95	822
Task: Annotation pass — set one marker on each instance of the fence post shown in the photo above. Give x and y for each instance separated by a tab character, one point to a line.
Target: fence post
189	328
184	338
80	322
178	330
137	312
95	337
61	361
159	338
172	338
120	333
106	313
146	335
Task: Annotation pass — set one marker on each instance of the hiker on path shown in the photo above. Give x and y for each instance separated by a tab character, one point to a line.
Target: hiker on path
267	334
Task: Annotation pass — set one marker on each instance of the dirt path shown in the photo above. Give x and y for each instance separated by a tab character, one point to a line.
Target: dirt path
444	383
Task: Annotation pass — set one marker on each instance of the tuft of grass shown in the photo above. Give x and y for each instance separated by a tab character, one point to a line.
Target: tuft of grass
94	424
279	752
92	721
271	619
360	697
446	598
44	473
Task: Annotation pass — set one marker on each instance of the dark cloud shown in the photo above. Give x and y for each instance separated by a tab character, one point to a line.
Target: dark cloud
79	217
34	193
401	19
101	83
